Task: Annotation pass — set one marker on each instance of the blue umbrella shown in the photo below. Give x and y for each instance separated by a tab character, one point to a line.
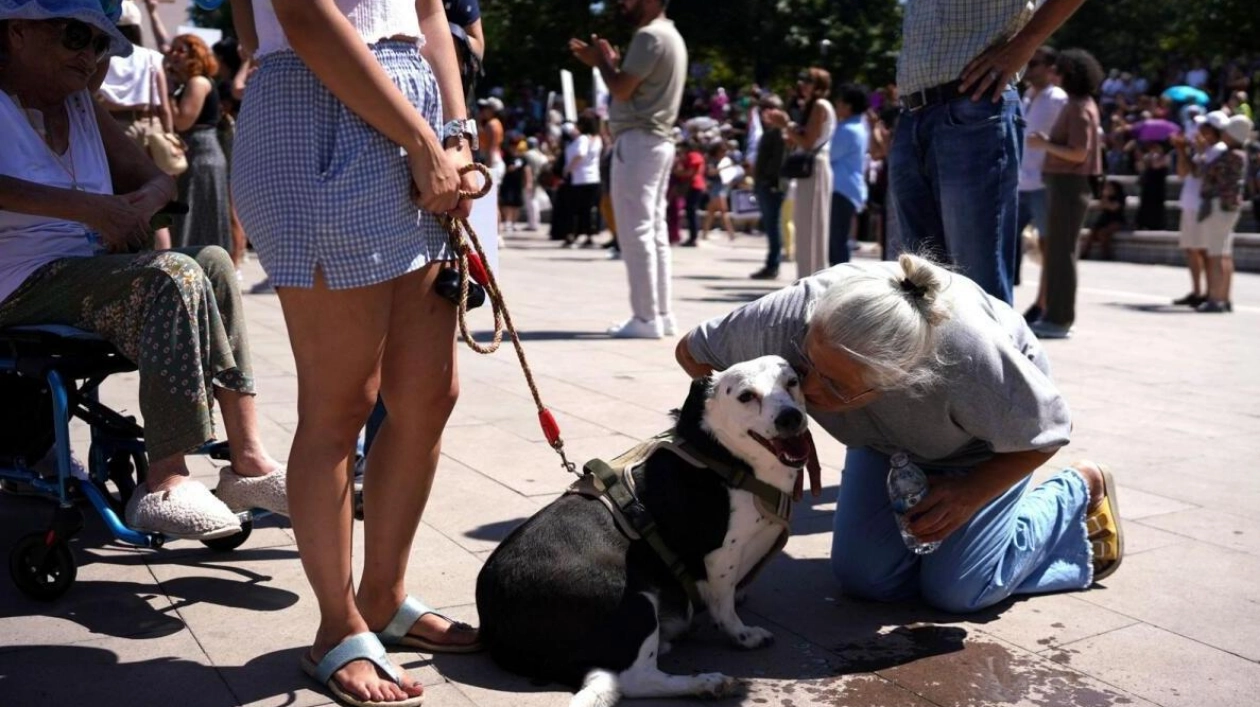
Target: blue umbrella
1186	94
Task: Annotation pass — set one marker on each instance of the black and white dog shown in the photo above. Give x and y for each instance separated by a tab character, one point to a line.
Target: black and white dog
570	598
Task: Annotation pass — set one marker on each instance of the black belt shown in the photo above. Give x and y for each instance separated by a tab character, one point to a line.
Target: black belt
935	95
944	93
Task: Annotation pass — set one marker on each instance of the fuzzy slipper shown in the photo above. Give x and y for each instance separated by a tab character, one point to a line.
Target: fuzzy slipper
186	510
243	493
412	609
360	646
1105	534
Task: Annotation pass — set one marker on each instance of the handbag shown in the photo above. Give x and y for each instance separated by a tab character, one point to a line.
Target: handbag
799	165
167	150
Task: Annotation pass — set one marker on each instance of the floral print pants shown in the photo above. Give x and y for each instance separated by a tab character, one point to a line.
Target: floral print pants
175	314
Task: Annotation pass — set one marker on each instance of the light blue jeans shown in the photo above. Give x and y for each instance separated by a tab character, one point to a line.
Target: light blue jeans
953	175
1023	542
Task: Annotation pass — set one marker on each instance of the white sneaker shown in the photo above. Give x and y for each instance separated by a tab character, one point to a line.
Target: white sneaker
669	327
635	328
186	510
614	254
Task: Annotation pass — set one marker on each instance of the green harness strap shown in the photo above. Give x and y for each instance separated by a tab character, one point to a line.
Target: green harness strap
609	482
612	483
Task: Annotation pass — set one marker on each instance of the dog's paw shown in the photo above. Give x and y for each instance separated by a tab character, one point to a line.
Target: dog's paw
752	637
717	685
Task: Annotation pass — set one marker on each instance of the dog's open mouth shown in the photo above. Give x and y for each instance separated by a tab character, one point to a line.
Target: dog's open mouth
790	451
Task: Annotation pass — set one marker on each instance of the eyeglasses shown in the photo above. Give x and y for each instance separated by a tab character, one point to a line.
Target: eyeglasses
833	389
77	35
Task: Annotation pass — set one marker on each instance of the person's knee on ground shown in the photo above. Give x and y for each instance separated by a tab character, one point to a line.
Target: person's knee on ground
865	577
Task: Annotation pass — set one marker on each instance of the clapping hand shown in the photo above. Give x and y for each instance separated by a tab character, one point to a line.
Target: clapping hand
596	52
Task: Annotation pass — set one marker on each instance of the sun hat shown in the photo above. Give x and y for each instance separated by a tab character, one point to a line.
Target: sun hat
101	14
492	103
1217	119
1239	128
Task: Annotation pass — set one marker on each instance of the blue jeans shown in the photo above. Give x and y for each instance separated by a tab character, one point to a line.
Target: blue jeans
953	171
842	211
1023	542
1032	209
770	202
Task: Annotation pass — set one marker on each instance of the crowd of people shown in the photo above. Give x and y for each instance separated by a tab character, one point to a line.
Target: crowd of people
352	145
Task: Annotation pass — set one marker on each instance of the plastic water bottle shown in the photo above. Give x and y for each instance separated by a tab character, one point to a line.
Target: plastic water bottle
907	485
208	4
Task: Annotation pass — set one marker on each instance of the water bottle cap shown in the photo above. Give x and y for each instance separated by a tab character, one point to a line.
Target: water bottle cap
900	459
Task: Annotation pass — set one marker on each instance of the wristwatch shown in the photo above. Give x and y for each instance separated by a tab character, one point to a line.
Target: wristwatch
460	129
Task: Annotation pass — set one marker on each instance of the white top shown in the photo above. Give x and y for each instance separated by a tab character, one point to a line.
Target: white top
131	80
1041	111
375	20
823	145
586	149
28	242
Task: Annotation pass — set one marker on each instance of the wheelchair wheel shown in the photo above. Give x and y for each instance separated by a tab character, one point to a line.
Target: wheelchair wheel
46	580
231	542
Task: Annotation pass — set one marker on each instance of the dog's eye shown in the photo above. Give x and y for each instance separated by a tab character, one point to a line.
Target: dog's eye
793	382
746	396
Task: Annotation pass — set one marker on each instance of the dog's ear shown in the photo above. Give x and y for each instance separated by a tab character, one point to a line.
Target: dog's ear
692	411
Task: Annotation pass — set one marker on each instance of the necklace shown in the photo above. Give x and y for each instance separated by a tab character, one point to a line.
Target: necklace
35	118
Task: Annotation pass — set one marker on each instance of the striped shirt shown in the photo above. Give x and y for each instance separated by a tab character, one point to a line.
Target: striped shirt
939	37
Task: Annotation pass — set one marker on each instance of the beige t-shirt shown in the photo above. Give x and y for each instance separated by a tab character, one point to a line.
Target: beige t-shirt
658	55
1077	126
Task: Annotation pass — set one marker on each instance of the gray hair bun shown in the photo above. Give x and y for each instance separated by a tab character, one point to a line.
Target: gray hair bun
921	284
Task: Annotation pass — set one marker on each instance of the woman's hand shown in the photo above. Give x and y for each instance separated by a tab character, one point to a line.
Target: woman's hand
1037	140
435	176
121	221
951	502
469	183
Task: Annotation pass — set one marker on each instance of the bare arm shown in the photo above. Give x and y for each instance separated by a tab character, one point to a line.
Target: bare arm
129	167
164	100
682	354
160	35
246	32
187	108
439	51
476	38
242	77
24	197
808	136
600	55
952	501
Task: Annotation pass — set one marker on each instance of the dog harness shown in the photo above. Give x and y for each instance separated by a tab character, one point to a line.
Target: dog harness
612	483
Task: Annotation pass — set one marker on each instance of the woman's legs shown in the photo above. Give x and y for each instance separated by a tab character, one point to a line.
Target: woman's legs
692	207
419	386
726	217
337	339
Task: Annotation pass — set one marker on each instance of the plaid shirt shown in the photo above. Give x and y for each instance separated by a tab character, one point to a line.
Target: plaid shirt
939	37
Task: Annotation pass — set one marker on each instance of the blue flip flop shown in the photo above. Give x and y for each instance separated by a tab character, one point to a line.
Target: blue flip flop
412	609
360	646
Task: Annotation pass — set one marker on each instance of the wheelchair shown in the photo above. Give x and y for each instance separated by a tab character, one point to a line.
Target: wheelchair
49	374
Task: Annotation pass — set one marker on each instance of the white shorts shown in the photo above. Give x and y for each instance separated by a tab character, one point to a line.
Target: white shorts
1191	236
1217	231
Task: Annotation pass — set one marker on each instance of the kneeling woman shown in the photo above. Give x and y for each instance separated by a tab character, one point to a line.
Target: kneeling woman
907	356
75	196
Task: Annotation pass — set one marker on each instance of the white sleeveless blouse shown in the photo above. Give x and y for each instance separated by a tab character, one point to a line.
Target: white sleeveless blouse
374	19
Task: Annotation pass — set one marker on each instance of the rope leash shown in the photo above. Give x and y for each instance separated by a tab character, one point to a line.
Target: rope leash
472	259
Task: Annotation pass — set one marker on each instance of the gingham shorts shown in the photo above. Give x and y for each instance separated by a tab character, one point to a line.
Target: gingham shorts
316	186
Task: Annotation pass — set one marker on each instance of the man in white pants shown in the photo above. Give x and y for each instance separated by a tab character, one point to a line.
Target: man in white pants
646	91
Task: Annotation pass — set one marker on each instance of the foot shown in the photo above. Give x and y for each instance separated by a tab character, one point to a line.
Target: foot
1213	307
614	254
362	679
1094	480
243	493
1049	330
1193	299
181	508
766	274
1033	313
432	628
689	244
635	328
669	325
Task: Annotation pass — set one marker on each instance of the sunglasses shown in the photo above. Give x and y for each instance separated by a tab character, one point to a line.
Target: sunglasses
77	35
1036	62
833	388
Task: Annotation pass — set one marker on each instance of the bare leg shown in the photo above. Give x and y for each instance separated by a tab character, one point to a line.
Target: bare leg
337	339
419	384
238	238
1195	258
708	219
726	220
1227	277
1215	275
166	473
240	417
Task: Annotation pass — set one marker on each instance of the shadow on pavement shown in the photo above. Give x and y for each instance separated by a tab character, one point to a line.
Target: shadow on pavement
1151	308
485	337
494	531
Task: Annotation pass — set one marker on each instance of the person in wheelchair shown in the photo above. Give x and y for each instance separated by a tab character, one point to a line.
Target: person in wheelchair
76	201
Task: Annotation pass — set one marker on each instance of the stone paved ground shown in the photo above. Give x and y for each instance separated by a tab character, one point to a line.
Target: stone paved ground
1171	399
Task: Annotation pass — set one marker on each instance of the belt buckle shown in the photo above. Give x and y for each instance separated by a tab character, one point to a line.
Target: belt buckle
923	100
